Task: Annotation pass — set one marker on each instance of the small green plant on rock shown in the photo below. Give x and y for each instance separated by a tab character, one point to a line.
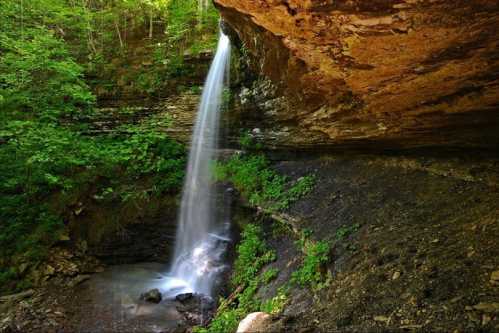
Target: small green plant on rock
345	231
248	142
269	275
311	272
276	304
252	254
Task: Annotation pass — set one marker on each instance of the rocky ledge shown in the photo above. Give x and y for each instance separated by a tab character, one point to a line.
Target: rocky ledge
390	73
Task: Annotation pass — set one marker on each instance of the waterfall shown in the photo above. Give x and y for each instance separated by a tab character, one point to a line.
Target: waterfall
201	238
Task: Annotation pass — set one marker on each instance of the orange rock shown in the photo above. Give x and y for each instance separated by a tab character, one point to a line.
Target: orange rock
384	72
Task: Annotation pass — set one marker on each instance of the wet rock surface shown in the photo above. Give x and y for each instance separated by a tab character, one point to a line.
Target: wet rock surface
40	312
419	253
111	301
198	309
122	233
152	296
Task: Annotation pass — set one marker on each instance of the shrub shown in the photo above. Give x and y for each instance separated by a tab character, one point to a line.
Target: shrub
41	159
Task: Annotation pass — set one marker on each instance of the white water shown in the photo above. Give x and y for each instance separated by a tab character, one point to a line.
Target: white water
201	240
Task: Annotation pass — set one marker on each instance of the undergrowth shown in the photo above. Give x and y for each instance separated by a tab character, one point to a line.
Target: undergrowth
252	175
51	161
311	272
47	161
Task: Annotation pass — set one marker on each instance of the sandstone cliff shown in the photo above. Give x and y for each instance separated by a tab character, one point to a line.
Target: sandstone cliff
389	73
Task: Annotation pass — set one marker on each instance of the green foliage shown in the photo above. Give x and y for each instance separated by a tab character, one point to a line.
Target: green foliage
225	322
38	77
269	275
46	161
105	36
37	74
201	45
190	30
252	255
182	15
7	275
42	159
40	83
316	256
49	51
197	90
302	187
247	141
345	231
252	175
259	184
276	304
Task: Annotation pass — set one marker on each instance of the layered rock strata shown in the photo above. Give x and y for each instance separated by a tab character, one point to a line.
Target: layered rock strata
388	73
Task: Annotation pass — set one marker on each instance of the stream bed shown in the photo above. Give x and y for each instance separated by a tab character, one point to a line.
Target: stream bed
110	301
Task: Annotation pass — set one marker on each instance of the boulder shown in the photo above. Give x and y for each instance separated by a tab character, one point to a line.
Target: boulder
198	309
184	297
255	322
152	296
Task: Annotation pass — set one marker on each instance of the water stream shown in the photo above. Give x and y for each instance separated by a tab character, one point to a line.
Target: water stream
202	237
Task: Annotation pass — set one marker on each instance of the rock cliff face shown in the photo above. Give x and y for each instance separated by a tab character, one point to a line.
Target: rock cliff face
390	73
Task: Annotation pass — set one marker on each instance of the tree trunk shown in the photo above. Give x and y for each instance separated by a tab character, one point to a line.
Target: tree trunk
90	38
119	33
150	24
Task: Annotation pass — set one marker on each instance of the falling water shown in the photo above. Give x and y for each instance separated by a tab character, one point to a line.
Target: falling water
201	239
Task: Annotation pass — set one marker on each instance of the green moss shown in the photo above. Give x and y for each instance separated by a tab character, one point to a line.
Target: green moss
248	142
